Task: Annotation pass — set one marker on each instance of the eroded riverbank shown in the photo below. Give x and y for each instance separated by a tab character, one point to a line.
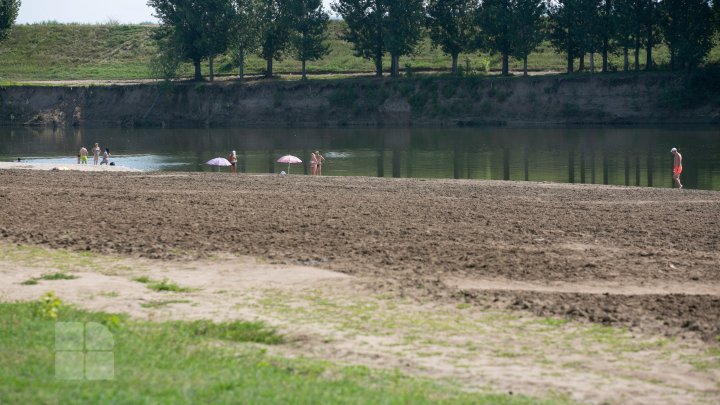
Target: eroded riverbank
411	102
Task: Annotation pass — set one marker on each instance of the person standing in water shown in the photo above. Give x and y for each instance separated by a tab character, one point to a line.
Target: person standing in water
313	164
319	159
106	157
96	153
677	167
233	161
83	155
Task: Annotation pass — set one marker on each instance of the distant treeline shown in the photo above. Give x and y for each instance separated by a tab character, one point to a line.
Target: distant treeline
198	30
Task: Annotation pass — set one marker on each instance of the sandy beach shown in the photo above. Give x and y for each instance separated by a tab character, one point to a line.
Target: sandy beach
639	257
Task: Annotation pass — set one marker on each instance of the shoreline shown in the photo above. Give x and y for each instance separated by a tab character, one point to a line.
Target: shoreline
64	167
621	99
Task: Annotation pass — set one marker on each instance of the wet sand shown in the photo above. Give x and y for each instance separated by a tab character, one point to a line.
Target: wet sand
29	165
640	257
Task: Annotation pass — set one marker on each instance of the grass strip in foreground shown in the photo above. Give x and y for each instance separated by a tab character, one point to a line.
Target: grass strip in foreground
200	361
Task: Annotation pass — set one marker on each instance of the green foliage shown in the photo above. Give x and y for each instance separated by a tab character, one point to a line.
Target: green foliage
58	276
364	28
50	277
528	24
235	331
277	17
167	285
182	29
688	30
496	22
403	30
451	26
48	306
110	52
245	30
162	285
8	13
176	362
310	34
143	279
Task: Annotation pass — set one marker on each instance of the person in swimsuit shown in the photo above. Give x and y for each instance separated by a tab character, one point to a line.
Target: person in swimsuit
233	161
106	155
313	164
319	159
83	155
96	153
677	167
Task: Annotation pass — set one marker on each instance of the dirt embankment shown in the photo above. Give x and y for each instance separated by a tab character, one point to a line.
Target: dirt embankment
422	101
642	257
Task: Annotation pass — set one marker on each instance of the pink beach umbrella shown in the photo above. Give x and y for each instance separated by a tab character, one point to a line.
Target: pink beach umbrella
289	159
222	162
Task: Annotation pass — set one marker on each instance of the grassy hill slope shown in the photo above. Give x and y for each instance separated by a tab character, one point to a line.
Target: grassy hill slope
115	52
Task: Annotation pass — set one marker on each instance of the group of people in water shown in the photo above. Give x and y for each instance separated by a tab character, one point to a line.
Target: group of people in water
316	162
83	155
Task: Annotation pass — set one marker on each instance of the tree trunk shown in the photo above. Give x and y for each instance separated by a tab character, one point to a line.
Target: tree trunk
395	62
569	61
525	66
592	62
304	76
212	68
637	55
581	65
378	62
242	64
505	64
605	56
648	59
626	60
454	64
672	58
269	70
198	73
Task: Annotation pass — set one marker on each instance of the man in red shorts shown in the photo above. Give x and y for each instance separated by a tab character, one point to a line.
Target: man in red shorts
677	167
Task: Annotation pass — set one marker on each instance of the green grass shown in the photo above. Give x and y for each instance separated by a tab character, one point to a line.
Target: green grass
161	285
58	276
49	277
198	362
74	51
143	279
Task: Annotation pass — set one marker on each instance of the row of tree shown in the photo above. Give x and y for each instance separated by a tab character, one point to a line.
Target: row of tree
580	27
198	30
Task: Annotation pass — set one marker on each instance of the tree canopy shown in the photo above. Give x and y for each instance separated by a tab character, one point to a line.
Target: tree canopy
451	27
8	14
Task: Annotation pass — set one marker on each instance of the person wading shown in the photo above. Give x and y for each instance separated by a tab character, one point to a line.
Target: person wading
233	161
677	167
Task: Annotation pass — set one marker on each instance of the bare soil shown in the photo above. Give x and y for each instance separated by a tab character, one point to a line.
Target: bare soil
344	319
639	257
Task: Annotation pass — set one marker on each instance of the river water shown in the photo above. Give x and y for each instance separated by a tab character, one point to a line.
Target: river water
632	156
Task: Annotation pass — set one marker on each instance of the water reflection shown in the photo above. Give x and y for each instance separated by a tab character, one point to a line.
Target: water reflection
621	156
